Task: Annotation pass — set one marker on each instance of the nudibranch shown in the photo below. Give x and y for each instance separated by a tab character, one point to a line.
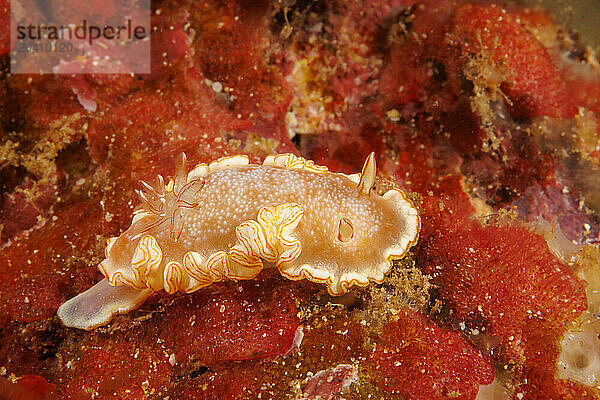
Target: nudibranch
228	219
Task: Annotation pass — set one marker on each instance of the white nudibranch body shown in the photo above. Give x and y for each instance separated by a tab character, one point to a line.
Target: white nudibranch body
225	219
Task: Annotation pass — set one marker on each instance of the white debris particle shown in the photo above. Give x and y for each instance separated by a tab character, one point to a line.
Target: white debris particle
217	87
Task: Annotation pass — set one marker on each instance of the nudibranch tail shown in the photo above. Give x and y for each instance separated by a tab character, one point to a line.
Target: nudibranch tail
225	219
99	304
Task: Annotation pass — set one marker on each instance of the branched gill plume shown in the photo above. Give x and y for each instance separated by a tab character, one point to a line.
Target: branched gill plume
165	203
